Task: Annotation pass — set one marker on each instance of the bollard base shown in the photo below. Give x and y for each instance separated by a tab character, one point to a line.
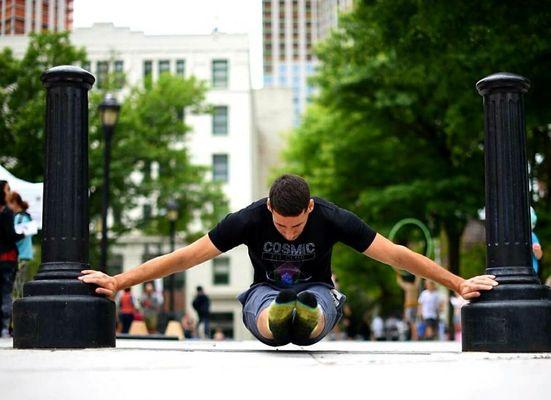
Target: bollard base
63	321
507	326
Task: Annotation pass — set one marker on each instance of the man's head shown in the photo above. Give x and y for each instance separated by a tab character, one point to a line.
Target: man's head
149	288
430	285
290	205
199	289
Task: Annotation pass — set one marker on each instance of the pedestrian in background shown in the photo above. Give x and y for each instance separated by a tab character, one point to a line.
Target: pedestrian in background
378	329
431	304
151	305
537	252
8	258
201	304
126	310
188	325
410	286
23	225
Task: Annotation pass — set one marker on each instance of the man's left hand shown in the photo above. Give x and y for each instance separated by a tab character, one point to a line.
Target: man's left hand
470	288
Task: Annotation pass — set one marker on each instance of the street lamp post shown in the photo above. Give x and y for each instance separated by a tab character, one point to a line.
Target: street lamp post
515	316
109	115
58	310
172	216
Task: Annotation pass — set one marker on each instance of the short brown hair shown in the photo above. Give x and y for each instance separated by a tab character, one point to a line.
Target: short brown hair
16	198
289	195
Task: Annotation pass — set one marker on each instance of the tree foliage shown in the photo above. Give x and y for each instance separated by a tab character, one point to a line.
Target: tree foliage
396	130
22	100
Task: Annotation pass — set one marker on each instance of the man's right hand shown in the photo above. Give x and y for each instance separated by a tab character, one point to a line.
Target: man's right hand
107	284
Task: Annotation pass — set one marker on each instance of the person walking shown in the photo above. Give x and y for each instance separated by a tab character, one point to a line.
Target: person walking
290	237
201	304
23	225
150	306
8	258
126	310
431	304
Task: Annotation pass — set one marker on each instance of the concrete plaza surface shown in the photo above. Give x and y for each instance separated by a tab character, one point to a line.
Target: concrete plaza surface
148	369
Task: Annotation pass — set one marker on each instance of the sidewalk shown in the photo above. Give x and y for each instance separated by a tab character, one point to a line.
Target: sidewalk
140	369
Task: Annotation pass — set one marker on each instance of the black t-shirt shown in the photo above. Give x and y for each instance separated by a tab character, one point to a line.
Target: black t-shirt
283	263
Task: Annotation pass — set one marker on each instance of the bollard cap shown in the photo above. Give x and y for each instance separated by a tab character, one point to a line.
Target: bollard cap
504	82
67	74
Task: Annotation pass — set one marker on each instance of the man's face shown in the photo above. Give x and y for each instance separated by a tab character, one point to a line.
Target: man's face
291	227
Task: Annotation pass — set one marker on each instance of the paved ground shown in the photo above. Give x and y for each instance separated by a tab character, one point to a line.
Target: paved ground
230	370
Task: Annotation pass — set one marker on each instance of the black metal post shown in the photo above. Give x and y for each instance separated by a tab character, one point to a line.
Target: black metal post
172	277
516	315
58	310
104	246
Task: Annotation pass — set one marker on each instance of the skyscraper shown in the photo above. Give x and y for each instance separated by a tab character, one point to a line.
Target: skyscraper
21	17
290	30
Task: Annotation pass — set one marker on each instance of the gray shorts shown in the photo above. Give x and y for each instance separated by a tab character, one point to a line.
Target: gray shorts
410	314
257	298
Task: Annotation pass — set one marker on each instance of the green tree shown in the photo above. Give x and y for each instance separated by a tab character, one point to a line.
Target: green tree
396	130
22	100
150	159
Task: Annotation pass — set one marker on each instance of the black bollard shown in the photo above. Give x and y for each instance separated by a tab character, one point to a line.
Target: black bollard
57	310
516	315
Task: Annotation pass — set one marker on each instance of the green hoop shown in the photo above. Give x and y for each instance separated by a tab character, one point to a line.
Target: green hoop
413	221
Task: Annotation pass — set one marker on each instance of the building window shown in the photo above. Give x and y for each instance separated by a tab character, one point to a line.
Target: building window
181	67
102	70
220	120
220	73
221	271
119	73
164	67
220	167
147	72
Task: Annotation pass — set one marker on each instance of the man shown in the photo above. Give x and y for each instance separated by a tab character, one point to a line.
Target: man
290	237
151	306
201	304
410	285
431	305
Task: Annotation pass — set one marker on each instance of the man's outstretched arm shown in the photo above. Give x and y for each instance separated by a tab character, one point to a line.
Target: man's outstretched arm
401	257
179	260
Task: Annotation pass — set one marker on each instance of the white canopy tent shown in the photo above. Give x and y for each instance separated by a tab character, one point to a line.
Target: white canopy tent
32	193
